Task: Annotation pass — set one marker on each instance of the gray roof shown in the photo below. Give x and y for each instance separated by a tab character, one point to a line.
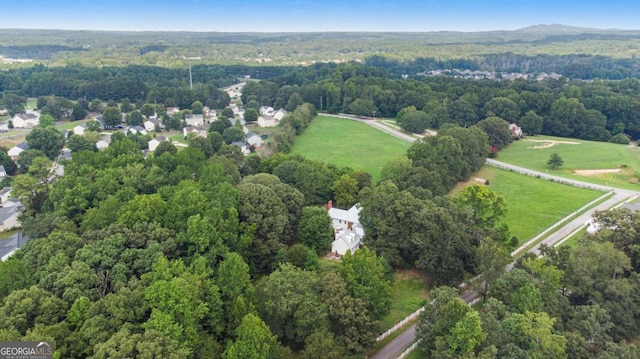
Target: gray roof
23	145
12	243
2	169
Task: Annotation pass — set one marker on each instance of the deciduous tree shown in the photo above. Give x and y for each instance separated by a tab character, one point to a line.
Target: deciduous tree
49	140
555	161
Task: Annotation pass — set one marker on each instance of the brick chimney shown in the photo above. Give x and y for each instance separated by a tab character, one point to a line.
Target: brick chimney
329	205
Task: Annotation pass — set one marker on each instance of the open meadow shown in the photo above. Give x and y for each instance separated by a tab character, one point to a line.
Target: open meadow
533	204
349	143
590	161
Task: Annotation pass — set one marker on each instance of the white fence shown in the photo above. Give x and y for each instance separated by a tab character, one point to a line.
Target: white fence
549	177
400	324
408	350
375	124
557	224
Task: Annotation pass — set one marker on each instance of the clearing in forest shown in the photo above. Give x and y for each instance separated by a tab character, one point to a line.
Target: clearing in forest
347	143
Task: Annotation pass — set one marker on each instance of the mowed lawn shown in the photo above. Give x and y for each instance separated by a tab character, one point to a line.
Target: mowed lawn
533	204
408	294
347	143
578	155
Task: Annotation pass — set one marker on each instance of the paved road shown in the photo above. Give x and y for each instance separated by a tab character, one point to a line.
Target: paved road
397	345
404	340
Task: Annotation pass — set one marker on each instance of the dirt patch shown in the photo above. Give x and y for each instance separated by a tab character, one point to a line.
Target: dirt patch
596	172
480	180
549	143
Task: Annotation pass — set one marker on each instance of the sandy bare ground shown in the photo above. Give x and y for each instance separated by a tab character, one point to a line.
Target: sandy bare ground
480	180
549	143
596	172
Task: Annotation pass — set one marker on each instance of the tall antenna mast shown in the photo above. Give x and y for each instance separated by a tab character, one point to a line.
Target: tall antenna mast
190	78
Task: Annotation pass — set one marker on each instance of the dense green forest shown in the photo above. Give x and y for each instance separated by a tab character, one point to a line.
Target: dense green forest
198	253
595	110
205	253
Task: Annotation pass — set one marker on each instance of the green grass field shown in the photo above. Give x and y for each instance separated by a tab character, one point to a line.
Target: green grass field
578	155
69	125
533	204
408	294
31	104
176	136
349	143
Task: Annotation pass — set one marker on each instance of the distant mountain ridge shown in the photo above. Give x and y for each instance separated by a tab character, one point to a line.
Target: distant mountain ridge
169	48
566	29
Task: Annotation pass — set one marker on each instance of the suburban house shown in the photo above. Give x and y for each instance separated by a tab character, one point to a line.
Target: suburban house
244	148
266	110
153	144
26	120
4	126
151	124
16	150
79	130
266	121
516	131
253	139
104	142
194	120
211	114
234	121
172	110
348	232
138	130
199	131
4	194
279	115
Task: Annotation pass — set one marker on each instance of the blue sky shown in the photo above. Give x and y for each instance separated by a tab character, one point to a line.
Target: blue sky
318	15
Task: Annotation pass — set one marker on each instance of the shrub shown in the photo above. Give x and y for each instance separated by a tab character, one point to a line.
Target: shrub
620	138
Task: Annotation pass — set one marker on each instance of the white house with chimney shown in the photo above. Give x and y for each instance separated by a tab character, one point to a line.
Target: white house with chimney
347	230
